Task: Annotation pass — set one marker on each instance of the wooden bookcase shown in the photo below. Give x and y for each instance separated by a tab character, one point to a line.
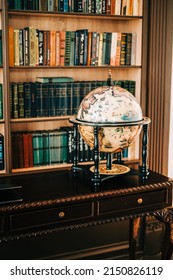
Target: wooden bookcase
63	21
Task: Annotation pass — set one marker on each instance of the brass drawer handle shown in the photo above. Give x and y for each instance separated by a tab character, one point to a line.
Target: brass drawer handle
140	200
61	215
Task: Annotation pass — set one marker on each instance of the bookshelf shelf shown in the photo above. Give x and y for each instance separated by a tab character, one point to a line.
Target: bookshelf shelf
61	21
20	68
28	13
43	119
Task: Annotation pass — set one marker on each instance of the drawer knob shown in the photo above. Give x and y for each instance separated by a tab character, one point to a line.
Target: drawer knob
61	214
140	200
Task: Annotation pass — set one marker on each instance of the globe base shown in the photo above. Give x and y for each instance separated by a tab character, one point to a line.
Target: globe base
116	169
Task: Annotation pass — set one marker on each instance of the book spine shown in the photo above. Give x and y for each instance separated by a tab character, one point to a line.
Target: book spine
27	100
33	99
63	99
108	47
26	46
40	47
72	47
118	49
93	48
133	49
15	104
52	48
46	154
69	98
11	46
83	41
62	47
16	47
20	100
67	48
57	42
128	48
52	99
1	152
25	150
123	49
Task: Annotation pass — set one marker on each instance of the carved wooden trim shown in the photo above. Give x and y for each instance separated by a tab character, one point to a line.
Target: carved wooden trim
71	227
75	198
166	216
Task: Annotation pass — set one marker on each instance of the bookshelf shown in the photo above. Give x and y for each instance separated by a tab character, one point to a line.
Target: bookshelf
71	21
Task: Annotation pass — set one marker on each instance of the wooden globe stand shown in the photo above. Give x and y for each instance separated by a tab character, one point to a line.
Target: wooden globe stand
96	169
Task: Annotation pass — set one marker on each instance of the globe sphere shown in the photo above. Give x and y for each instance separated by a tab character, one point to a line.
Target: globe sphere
116	112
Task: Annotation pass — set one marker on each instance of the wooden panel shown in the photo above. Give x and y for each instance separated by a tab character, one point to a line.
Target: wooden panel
156	83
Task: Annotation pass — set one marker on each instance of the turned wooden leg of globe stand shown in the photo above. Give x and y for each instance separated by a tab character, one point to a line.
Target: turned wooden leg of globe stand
96	178
133	235
166	216
144	167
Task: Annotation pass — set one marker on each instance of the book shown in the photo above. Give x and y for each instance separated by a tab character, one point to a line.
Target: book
1	152
62	47
118	7
20	89
70	142
62	99
15	102
118	49
21	53
72	47
40	47
42	102
46	154
133	48
67	48
83	41
113	48
57	48
52	99
52	47
94	59
27	99
128	48
123	49
37	142
11	45
108	47
54	79
16	47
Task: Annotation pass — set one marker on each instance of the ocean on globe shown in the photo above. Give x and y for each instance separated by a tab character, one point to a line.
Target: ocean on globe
114	106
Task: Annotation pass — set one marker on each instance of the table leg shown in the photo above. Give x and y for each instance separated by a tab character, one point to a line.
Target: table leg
166	216
133	235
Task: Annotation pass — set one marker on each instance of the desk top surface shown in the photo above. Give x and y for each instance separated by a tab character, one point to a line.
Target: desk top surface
65	184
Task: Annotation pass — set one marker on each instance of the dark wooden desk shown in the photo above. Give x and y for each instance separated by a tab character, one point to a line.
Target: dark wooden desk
61	201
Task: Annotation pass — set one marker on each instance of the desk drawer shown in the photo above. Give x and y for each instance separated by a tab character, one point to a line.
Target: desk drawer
133	201
49	216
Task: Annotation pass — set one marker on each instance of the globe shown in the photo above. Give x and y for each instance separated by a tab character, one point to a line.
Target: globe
116	112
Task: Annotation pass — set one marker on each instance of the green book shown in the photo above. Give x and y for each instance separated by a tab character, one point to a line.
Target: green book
21	100
67	48
37	148
46	155
52	99
27	100
54	79
15	103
